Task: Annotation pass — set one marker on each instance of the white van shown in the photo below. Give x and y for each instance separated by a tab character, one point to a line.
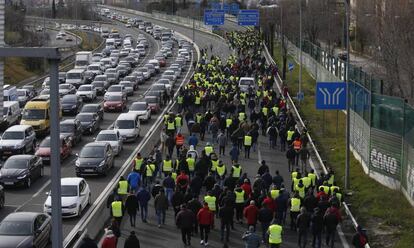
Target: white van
9	93
11	113
245	83
76	77
128	126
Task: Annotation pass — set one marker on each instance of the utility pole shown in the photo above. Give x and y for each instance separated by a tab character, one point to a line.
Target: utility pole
2	44
300	48
348	117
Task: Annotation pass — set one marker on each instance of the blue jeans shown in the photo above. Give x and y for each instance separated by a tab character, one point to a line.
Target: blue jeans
169	193
160	216
144	211
265	226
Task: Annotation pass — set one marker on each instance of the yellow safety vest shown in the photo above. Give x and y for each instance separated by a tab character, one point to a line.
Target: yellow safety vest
208	150
274	193
275	110
331	180
239	196
198	118
166	118
295	182
174	175
138	163
167	166
275	234
214	164
228	122
290	135
294	174
236	171
295	205
307	181
211	201
197	100
123	187
265	111
325	189
339	196
116	208
190	162
178	121
170	125
180	100
312	176
332	188
242	116
221	170
150	170
247	140
301	191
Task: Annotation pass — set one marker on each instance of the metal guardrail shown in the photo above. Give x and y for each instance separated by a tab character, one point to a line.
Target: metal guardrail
316	153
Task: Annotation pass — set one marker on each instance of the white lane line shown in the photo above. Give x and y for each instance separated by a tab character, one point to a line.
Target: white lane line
33	196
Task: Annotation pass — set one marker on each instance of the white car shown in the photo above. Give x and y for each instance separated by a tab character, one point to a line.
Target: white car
76	196
142	109
87	92
128	125
171	73
128	25
129	87
113	138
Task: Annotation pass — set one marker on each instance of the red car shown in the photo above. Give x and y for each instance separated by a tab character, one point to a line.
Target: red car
153	103
43	150
115	102
161	61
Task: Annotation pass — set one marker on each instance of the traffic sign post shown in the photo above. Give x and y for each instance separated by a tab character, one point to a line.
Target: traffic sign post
291	66
248	17
331	95
214	17
234	9
300	96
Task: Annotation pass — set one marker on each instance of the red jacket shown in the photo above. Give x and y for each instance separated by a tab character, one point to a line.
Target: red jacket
109	242
320	194
271	204
205	216
247	189
182	178
335	211
250	213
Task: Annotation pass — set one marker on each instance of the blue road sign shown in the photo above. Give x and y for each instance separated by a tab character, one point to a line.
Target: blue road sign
215	5
248	17
331	95
291	66
300	96
234	9
214	17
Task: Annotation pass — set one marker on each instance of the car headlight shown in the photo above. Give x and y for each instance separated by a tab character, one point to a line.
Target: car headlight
77	163
22	176
18	146
102	163
73	106
74	205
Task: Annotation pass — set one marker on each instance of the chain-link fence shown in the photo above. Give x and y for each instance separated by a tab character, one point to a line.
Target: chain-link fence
382	127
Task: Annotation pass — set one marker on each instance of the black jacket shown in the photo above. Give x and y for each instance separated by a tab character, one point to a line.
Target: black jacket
88	243
265	215
132	242
185	218
131	204
226	214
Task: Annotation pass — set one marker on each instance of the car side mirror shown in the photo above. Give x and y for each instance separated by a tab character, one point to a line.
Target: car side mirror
77	154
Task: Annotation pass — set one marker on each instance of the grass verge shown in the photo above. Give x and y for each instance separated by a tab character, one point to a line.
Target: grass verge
15	70
386	213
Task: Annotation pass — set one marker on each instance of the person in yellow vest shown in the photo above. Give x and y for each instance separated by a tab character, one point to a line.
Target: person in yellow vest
178	123
122	188
295	203
265	111
236	171
242	116
211	200
275	232
149	172
191	164
199	117
221	172
209	149
247	145
312	176
325	188
180	102
301	189
214	163
170	126
336	194
274	192
197	101
307	181
331	177
167	165
289	136
117	210
295	180
138	161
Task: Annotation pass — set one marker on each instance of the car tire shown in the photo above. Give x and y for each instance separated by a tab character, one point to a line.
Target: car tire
1	202
89	200
28	182
80	211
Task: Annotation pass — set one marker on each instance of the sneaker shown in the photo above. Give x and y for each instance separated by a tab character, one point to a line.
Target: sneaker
159	226
206	244
202	242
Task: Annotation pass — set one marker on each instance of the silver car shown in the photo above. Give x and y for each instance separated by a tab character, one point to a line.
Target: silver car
113	138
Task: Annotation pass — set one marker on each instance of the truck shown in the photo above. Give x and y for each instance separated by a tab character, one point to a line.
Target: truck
83	59
9	93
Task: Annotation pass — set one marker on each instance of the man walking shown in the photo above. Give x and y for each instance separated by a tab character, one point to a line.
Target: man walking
184	220
161	206
251	239
205	219
131	206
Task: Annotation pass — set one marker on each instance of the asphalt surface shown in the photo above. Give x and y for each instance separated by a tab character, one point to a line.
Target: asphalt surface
32	199
53	42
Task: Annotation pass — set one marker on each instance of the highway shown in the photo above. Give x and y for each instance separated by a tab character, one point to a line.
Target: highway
32	199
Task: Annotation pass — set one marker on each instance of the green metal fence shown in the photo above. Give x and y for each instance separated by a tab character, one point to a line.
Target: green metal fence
382	127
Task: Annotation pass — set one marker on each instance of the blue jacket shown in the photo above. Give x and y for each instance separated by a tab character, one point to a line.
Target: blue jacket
134	179
251	240
192	141
143	196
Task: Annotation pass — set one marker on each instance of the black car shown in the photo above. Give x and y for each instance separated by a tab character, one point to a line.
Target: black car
25	229
89	122
62	77
94	108
100	87
158	94
71	104
2	198
71	129
21	170
95	158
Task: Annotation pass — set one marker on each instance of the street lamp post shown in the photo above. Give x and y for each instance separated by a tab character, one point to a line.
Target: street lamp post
300	47
348	117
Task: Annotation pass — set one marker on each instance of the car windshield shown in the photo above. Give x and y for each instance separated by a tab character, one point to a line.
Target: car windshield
100	79
88	109
69	100
98	84
124	124
69	190
142	69
93	68
66	128
158	87
16	228
85	88
64	86
246	82
5	111
45	143
92	152
13	135
115	89
73	76
85	118
34	114
15	164
110	75
167	73
151	100
127	84
106	137
138	107
114	98
21	93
